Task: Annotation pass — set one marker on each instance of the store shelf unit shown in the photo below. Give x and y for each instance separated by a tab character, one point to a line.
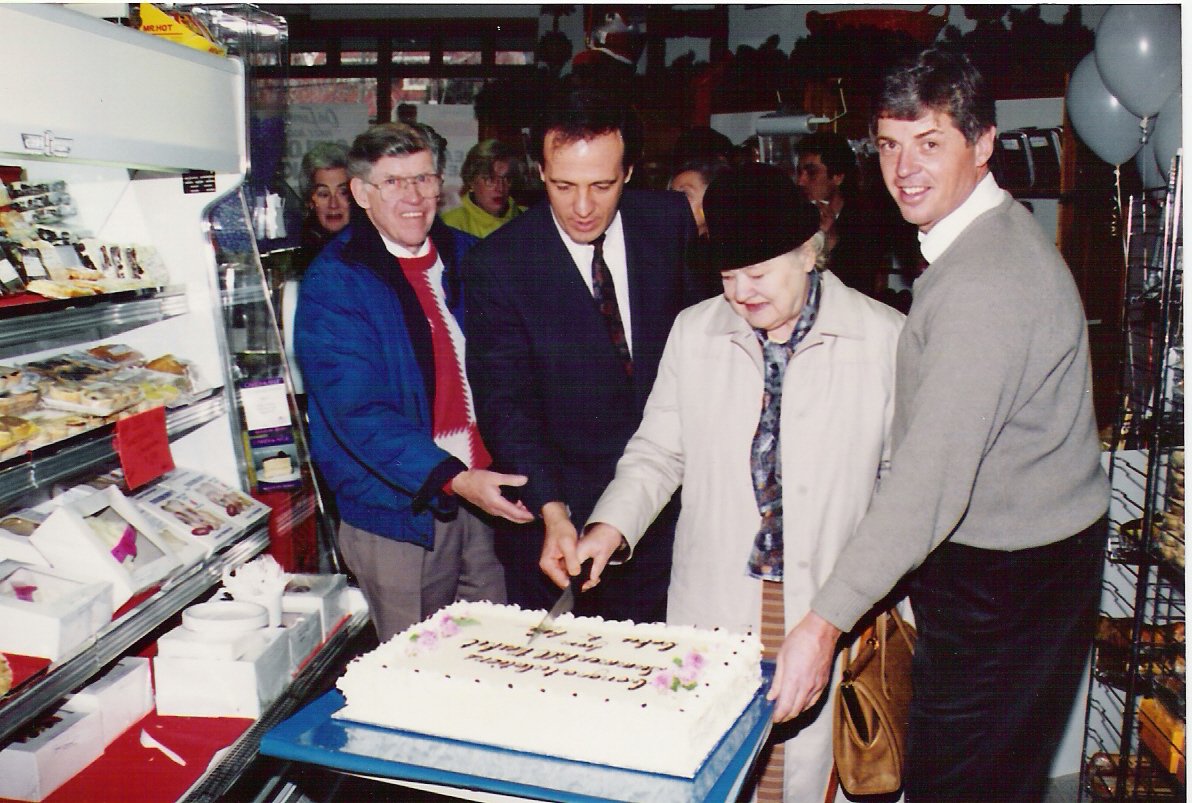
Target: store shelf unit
1134	742
149	138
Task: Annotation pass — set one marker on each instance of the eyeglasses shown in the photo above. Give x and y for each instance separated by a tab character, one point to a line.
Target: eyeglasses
392	188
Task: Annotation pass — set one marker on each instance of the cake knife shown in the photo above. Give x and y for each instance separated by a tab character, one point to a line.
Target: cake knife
565	602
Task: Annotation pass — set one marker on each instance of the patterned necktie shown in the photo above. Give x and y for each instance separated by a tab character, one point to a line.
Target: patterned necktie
605	296
765	562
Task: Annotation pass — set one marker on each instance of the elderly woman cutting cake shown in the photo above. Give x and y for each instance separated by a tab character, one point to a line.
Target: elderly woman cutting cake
772	410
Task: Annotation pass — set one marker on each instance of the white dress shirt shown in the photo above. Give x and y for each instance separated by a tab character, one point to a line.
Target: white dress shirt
614	257
985	196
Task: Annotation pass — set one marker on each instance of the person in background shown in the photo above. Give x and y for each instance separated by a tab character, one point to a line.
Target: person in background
328	199
865	234
692	177
765	508
379	337
569	307
486	204
996	497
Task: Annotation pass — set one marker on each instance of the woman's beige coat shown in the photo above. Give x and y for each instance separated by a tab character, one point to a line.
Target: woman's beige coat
837	403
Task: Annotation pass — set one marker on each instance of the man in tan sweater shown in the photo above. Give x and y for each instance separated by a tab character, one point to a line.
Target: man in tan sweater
995	499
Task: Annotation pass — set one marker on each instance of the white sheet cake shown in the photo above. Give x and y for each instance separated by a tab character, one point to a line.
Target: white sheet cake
652	698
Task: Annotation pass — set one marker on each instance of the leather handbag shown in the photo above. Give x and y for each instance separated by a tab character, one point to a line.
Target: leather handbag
869	721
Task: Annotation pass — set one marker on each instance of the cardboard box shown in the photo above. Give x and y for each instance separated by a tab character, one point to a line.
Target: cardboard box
104	537
306	636
47	614
185	517
122	696
324	594
48	752
213	687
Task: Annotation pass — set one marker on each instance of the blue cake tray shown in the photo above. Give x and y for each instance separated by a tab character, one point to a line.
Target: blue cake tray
314	736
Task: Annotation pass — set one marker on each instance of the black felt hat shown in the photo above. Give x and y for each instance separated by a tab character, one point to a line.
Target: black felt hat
754	213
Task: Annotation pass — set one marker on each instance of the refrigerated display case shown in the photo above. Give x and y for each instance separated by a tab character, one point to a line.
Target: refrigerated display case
130	147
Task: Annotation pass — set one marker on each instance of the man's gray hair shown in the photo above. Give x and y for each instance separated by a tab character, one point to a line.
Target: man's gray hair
388	139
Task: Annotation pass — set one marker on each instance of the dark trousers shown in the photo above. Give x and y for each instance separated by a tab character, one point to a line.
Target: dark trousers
1003	639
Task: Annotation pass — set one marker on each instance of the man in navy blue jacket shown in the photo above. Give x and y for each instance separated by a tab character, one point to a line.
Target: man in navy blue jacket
557	392
378	335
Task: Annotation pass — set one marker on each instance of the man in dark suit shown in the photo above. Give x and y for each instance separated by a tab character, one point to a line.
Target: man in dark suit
569	308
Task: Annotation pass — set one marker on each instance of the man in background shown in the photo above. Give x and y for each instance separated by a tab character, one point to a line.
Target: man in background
864	234
569	309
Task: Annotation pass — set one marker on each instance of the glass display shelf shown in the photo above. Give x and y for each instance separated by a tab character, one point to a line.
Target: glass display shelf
35	327
113	641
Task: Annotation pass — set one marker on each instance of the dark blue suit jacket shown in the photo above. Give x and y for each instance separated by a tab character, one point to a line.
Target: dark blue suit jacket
552	399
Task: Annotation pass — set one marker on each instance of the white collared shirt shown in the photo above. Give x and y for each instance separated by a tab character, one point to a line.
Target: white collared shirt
614	257
985	196
401	252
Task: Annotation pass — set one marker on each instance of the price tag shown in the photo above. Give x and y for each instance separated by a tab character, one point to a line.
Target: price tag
143	445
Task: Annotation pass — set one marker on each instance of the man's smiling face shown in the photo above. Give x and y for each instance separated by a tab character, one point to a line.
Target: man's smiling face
928	166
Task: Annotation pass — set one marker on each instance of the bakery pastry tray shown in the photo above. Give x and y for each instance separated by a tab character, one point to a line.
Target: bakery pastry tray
313	736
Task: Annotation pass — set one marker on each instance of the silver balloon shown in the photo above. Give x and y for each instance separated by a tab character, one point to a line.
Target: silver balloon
1101	122
1138	54
1168	131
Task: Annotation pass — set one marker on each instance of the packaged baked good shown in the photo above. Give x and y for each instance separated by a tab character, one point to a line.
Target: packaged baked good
117	354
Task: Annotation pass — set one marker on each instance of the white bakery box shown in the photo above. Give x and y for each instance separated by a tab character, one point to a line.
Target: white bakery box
122	696
229	664
47	614
324	594
104	537
48	752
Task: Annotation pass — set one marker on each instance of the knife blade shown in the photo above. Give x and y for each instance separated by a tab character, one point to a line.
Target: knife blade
565	602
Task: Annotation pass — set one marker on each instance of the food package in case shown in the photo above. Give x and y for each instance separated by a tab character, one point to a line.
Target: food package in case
47	614
15	530
306	636
185	517
122	696
323	594
48	752
105	537
217	497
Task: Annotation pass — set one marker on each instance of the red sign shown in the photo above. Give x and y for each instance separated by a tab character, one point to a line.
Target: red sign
144	447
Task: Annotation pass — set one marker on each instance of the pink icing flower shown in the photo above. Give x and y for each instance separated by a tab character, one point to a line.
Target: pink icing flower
662	680
448	627
694	662
427	638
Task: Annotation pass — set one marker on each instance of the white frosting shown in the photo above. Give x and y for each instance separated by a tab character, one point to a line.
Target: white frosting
653	698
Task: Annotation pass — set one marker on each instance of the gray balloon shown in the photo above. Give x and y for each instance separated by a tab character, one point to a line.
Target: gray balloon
1104	124
1168	131
1138	54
